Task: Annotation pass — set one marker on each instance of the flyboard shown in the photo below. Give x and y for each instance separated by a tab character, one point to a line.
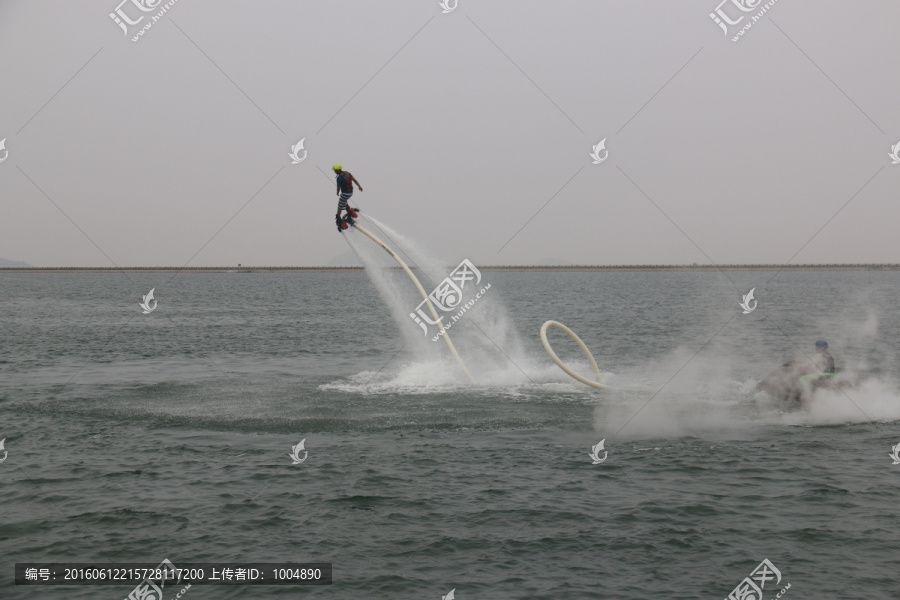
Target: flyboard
595	384
419	287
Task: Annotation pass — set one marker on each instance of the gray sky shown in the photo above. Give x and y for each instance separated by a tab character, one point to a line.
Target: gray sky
460	126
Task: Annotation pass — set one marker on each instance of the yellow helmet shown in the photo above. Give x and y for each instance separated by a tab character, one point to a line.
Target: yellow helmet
336	166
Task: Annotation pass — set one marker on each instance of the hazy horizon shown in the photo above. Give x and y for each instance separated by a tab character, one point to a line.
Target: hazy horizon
470	131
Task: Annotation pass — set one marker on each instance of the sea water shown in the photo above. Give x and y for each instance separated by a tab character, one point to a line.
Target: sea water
139	437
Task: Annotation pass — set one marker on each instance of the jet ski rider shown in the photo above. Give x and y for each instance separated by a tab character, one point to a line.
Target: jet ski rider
823	366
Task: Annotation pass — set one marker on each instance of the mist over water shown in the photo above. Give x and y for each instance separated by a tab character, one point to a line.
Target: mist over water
709	394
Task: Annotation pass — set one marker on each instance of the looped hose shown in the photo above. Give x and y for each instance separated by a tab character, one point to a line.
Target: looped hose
595	384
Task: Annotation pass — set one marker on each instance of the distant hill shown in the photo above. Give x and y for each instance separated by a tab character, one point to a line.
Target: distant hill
13	263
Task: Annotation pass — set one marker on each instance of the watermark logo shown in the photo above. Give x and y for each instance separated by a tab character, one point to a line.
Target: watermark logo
295	153
895	153
450	596
5	453
182	592
296	450
152	587
6	152
751	588
595	453
448	297
723	19
121	18
448	6
596	153
748	298
146	303
895	455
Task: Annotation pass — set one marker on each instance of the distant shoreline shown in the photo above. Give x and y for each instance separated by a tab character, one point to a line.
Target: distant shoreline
242	269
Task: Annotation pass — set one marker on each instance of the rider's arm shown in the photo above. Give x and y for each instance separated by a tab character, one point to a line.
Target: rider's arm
353	179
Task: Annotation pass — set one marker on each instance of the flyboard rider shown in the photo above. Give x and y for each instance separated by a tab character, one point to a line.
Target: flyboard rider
345	181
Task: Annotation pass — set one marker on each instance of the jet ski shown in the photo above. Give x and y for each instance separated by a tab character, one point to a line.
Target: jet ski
794	384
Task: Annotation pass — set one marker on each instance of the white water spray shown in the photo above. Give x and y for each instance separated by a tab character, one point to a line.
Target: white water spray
427	300
484	337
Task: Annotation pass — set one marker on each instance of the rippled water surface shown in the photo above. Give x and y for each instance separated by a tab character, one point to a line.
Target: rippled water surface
137	437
